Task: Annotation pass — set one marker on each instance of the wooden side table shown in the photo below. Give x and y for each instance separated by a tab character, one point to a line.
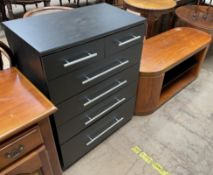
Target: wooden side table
26	140
153	10
169	62
193	16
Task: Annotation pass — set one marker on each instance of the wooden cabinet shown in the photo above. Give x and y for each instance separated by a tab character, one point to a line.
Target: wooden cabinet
36	163
179	54
89	70
20	146
26	140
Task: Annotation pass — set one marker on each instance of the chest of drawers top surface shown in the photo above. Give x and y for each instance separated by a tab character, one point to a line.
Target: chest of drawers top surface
67	29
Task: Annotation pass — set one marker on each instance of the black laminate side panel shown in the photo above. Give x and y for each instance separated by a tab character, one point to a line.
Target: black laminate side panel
75	105
70	28
82	121
28	61
66	86
76	147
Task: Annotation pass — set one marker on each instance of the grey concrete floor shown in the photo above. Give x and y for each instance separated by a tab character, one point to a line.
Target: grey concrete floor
178	136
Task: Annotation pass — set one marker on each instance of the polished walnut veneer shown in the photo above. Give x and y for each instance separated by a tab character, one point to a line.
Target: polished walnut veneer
89	70
199	17
155	11
25	131
169	62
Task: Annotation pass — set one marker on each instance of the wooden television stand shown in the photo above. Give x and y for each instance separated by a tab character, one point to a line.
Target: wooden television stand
170	61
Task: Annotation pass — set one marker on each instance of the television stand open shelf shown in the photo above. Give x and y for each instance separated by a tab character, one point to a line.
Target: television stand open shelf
170	61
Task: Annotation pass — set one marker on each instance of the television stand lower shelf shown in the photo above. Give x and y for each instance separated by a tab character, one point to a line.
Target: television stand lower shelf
170	61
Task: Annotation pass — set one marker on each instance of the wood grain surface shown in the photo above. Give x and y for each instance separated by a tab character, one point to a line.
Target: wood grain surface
165	56
21	103
152	4
165	51
193	16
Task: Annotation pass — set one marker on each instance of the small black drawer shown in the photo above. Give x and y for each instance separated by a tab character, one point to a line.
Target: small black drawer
69	85
96	133
124	39
68	60
94	95
80	122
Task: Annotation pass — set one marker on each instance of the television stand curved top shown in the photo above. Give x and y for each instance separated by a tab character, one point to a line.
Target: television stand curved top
170	61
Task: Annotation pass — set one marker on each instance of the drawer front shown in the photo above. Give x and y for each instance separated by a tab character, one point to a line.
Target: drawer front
92	136
124	39
94	95
67	86
20	146
78	123
63	62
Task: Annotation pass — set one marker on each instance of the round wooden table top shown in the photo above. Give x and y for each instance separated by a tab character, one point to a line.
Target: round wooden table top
185	13
45	10
151	4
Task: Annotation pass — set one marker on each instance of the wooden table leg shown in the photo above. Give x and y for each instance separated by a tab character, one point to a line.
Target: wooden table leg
49	142
3	11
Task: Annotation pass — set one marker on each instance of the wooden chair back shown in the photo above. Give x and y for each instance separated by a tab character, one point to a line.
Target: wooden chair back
6	52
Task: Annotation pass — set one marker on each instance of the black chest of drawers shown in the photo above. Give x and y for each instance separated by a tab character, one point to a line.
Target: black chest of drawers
86	61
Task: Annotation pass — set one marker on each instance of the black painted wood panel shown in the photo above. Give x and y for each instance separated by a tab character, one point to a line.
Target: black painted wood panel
67	29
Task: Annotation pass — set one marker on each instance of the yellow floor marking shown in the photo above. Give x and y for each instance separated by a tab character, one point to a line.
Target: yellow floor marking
149	160
146	157
136	149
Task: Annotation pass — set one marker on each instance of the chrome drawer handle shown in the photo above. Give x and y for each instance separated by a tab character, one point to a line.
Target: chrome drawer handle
129	41
15	153
105	72
104	93
104	111
105	131
89	56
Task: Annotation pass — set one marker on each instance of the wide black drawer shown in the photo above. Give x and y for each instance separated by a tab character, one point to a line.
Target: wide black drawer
124	39
94	95
68	60
68	85
92	136
82	121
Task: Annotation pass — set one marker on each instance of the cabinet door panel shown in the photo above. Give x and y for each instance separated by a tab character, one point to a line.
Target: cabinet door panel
19	146
36	163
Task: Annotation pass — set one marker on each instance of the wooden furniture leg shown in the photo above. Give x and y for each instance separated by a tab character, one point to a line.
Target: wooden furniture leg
46	131
10	10
2	10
